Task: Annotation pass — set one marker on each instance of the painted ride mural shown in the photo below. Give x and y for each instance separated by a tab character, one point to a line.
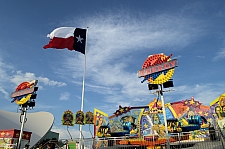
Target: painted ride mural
187	115
218	109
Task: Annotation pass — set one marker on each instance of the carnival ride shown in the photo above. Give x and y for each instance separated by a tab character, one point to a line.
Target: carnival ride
143	125
174	126
195	122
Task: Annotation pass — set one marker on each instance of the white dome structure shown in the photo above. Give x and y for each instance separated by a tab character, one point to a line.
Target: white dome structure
39	123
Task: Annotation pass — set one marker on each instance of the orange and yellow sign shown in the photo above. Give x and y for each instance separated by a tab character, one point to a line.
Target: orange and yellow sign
158	68
24	92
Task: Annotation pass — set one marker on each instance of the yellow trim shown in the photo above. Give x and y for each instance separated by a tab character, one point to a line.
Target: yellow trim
172	110
100	112
167	104
216	100
184	121
139	121
23	100
162	78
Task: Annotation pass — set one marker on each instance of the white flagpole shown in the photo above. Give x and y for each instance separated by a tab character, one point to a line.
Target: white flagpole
82	98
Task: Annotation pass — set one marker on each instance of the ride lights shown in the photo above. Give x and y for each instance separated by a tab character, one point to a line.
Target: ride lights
168	84
153	86
25	94
165	85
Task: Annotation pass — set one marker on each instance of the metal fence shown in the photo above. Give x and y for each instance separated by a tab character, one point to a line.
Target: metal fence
174	141
215	140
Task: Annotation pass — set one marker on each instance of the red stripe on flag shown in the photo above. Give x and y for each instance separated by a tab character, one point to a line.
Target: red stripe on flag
60	43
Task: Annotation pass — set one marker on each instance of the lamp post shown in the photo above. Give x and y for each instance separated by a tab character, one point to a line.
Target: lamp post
164	116
160	92
23	113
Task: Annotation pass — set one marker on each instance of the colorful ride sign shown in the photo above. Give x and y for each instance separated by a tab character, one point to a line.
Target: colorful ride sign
24	92
158	68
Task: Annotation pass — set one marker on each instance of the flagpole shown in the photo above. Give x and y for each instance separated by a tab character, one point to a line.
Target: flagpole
82	98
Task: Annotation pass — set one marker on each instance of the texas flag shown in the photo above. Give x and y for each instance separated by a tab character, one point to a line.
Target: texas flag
67	37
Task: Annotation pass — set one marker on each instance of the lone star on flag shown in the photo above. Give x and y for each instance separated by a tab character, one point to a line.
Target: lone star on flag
67	37
79	39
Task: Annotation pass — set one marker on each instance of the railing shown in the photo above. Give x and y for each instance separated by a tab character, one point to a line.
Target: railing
222	136
175	141
215	139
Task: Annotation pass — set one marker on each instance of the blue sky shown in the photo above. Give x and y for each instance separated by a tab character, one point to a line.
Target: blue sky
121	35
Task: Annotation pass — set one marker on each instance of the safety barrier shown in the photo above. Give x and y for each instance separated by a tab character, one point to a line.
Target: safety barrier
174	141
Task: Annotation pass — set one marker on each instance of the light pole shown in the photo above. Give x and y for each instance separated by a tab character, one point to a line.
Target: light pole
160	92
23	113
164	116
24	108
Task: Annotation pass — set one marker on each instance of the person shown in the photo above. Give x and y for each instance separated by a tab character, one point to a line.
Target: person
103	133
155	119
222	101
158	126
218	112
128	118
100	122
223	112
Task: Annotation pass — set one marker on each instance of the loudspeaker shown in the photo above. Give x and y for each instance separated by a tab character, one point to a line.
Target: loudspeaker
168	84
153	86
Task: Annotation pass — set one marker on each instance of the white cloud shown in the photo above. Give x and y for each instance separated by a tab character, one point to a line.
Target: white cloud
44	107
220	55
204	93
114	39
49	82
20	77
75	133
6	94
115	36
64	96
4	78
201	56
